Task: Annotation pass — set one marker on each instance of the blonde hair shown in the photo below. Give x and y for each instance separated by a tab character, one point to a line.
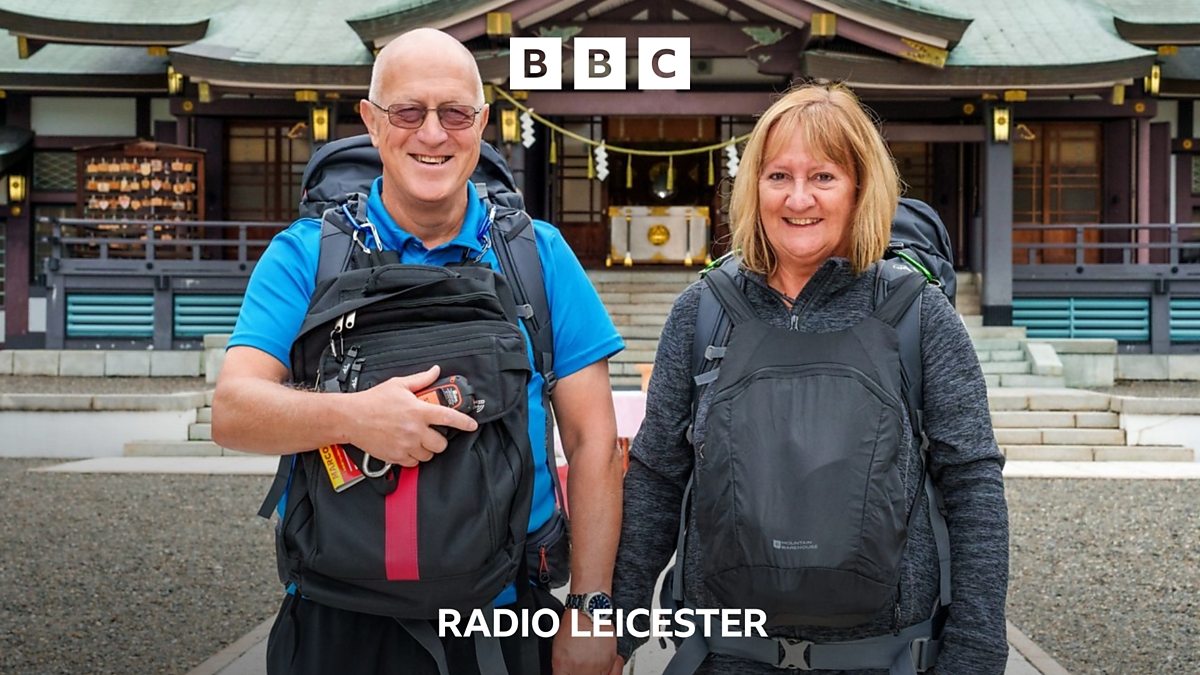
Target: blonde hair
835	127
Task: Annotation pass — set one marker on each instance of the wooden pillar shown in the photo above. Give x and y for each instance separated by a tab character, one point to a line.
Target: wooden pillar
18	238
1143	188
996	294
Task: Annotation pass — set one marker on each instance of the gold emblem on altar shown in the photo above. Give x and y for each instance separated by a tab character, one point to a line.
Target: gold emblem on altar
658	234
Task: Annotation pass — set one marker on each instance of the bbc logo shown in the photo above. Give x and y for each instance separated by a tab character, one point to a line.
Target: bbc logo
663	63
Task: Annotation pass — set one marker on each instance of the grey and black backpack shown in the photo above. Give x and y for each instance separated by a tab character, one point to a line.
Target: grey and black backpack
800	475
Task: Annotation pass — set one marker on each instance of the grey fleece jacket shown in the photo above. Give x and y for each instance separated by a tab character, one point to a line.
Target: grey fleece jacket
966	467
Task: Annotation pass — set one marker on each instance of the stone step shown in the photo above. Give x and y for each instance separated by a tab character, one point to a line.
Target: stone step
1042	419
200	431
634	297
643	343
1088	453
995	344
634	356
965	279
1032	381
1093	437
204	414
673	289
626	381
635	332
1004	355
643	276
624	368
208	397
970	319
638	320
1003	367
1058	399
996	332
659	309
173	449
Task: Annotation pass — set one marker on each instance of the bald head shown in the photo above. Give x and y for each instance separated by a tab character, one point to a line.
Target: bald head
423	49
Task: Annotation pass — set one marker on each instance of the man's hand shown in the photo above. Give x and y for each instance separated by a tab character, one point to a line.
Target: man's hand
582	655
397	427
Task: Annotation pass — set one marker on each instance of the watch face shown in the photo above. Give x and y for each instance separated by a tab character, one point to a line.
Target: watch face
597	601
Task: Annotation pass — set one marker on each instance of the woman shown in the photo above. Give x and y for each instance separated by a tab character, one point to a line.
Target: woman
781	435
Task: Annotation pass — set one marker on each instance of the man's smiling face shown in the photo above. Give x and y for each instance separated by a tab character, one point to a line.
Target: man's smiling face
430	164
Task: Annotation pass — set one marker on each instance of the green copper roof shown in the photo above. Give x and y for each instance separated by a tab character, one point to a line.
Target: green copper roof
397	17
119	11
81	67
285	32
1166	12
81	59
1038	33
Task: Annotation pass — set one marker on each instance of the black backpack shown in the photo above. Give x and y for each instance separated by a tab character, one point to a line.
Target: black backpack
335	184
920	238
449	533
806	579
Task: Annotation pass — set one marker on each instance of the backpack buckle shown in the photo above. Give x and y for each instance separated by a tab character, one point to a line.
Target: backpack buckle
923	654
795	654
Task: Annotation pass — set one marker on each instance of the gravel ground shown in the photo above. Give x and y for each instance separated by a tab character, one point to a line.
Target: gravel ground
153	574
100	385
128	573
1104	573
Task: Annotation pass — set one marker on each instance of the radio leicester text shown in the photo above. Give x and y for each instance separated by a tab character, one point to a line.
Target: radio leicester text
663	623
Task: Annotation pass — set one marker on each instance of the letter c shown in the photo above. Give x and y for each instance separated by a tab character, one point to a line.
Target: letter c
654	63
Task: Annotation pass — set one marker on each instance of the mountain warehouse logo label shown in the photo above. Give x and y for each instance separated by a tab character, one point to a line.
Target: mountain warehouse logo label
796	545
536	63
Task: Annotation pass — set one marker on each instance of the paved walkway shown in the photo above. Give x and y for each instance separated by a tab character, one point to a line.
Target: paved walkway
247	655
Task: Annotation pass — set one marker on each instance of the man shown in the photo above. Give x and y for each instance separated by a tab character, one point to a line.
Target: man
426	209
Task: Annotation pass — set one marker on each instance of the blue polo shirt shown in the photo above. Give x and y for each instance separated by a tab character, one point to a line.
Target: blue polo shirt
283	280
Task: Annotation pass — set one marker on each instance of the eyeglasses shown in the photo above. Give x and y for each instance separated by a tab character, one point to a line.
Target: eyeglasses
409	116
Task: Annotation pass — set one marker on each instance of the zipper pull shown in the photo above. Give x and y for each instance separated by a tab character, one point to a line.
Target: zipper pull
350	319
348	363
795	322
543	566
335	335
355	371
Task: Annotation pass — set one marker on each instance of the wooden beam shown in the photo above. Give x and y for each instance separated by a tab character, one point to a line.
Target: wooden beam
656	103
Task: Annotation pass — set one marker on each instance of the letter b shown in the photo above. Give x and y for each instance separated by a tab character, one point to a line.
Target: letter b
535	63
599	63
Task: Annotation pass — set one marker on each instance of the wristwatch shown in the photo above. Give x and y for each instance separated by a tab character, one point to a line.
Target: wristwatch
588	603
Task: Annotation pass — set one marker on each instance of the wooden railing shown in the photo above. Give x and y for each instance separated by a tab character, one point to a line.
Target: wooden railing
1140	244
152	247
140	262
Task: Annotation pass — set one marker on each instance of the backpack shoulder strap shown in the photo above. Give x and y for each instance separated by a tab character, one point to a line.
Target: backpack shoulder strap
516	248
898	289
339	226
712	327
